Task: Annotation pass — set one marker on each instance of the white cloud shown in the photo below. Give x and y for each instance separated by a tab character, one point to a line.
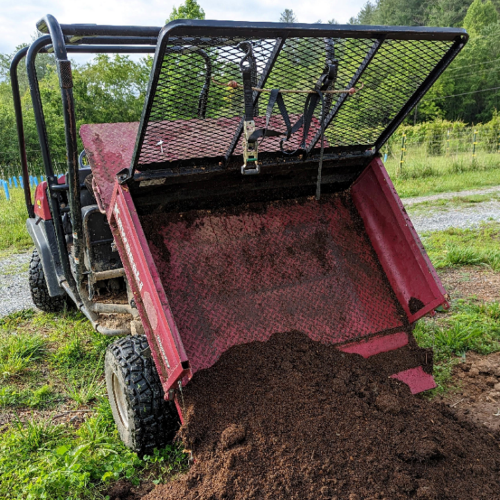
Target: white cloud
17	21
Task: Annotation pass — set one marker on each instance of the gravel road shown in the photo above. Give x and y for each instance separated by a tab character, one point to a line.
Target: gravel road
15	295
448	196
14	290
439	218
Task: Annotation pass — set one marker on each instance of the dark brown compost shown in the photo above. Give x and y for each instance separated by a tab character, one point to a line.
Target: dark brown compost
295	419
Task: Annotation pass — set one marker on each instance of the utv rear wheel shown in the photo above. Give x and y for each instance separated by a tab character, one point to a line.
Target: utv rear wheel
144	419
39	290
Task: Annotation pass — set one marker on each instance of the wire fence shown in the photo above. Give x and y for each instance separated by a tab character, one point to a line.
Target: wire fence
447	160
451	144
419	160
11	177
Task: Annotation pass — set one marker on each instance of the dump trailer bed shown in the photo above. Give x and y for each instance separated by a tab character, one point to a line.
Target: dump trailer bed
318	240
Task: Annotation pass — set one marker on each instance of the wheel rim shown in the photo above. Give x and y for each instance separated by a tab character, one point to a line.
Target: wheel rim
119	396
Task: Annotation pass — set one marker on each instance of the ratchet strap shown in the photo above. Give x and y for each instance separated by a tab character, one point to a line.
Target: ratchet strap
252	135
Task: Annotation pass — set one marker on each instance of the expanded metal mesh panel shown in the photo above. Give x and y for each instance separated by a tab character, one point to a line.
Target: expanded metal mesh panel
395	73
192	114
239	276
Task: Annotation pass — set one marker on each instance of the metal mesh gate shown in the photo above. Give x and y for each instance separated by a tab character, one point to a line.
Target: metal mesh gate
192	116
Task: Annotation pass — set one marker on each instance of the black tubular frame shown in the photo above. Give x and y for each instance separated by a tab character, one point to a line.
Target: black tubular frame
89	38
61	40
16	97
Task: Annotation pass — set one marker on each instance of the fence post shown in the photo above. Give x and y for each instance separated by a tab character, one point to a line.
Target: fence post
15	181
447	143
474	142
402	159
6	190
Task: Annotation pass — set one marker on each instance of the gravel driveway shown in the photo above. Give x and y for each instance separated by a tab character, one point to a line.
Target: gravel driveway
15	294
439	218
14	290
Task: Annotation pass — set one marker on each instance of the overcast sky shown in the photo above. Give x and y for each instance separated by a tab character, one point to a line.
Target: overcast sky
18	18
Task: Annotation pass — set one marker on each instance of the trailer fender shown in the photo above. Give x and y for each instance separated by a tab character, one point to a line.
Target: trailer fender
43	236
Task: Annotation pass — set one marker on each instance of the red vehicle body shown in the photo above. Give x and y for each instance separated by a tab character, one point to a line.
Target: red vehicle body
375	273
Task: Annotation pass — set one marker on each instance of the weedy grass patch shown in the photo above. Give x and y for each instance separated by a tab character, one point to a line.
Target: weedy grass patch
42	455
461	247
13	214
423	174
467	326
42	459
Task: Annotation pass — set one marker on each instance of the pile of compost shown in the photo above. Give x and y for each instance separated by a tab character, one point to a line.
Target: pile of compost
296	419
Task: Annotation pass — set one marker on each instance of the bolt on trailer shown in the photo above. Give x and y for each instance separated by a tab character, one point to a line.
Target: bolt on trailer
249	199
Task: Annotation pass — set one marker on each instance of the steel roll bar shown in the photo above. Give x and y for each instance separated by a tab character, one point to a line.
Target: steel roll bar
16	97
57	42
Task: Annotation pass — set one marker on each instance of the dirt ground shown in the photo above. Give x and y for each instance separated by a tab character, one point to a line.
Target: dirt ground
476	378
477	393
469	281
295	419
123	490
475	399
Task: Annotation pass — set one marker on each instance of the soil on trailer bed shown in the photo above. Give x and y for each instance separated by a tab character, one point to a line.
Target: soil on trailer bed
295	419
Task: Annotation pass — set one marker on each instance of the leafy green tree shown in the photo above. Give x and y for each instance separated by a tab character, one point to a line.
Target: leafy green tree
111	89
365	15
446	12
413	12
42	63
479	15
190	9
288	16
475	70
398	13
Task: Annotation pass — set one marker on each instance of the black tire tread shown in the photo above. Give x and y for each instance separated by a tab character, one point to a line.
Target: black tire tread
153	421
39	290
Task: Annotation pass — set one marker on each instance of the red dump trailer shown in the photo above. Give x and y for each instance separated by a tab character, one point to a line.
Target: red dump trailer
249	199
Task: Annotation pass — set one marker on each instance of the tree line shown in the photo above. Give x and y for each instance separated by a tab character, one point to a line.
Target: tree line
113	88
469	90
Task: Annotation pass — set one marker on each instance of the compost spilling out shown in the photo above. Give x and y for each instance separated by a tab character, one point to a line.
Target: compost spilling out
296	419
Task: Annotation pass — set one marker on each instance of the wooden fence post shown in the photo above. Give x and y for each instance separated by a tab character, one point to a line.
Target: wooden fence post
402	159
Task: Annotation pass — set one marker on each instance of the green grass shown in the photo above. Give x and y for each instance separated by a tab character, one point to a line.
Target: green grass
84	392
467	326
13	234
19	351
424	175
43	459
40	457
461	247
